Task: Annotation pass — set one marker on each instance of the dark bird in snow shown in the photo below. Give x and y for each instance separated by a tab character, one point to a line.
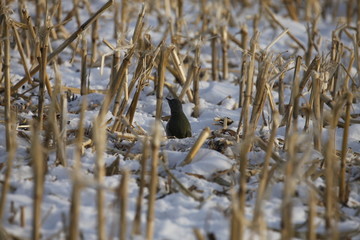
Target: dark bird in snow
178	126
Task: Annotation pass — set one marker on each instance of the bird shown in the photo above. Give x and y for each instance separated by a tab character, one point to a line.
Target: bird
178	125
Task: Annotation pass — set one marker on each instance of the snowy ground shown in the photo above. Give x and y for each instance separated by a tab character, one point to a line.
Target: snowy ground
176	214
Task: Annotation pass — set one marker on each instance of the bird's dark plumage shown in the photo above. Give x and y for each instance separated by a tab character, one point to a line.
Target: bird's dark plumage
178	125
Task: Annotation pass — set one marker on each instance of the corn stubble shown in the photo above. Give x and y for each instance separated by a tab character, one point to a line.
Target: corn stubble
326	78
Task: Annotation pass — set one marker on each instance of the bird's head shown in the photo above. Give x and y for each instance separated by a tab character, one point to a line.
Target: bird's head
175	105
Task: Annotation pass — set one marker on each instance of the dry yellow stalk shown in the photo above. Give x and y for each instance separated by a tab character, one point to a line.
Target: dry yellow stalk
9	164
83	79
224	48
76	189
249	85
179	69
311	235
6	72
155	146
21	51
264	172
196	147
344	148
160	83
137	219
214	55
99	139
123	196
38	169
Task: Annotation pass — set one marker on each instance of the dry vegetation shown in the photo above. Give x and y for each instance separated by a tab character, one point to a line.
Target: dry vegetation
328	78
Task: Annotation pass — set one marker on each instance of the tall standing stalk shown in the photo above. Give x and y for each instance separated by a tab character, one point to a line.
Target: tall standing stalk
100	142
287	229
224	48
249	85
261	93
293	108
44	39
214	55
161	80
265	171
94	40
196	80
331	172
83	78
315	99
38	170
137	219
6	69
342	189
123	197
155	146
9	165
238	223
76	190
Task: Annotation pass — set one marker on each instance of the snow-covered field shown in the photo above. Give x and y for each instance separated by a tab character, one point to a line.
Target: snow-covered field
213	175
